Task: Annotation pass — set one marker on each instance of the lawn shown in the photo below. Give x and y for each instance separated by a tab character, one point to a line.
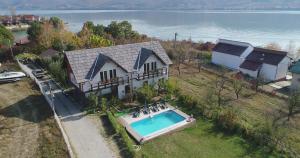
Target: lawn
202	140
27	126
252	107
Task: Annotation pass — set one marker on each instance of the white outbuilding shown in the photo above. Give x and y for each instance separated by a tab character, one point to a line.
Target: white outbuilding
270	65
230	54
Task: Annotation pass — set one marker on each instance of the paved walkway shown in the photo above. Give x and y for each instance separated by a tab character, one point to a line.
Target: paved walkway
84	136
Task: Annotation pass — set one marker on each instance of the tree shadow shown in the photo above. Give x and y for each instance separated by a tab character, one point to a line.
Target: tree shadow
33	108
110	132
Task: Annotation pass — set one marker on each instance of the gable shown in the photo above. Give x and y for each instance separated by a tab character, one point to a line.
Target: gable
143	56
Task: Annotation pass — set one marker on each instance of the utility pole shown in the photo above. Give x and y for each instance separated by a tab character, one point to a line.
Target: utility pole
11	51
176	34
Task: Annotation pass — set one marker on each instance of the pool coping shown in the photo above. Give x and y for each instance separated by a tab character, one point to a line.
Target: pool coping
176	127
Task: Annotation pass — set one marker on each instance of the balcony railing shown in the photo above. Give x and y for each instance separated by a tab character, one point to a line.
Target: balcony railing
152	74
110	83
126	79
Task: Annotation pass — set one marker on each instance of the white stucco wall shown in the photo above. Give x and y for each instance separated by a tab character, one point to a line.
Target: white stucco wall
268	72
106	67
295	82
249	72
227	60
283	68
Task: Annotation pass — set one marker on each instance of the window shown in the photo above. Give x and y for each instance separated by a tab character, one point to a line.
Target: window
145	68
155	66
148	67
101	76
115	73
152	66
105	75
111	74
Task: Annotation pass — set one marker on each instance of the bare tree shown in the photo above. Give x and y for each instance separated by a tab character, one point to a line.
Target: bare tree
293	103
220	86
292	52
274	46
238	87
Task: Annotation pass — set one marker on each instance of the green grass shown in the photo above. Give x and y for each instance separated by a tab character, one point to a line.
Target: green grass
202	140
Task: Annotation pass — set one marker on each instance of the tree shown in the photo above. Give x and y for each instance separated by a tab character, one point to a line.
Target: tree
6	36
121	30
220	86
273	46
98	41
57	44
93	101
293	103
99	30
56	22
34	31
238	87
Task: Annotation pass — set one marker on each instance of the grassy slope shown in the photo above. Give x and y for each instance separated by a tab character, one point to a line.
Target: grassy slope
204	140
253	107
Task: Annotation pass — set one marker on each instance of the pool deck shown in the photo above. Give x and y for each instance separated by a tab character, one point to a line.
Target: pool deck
126	120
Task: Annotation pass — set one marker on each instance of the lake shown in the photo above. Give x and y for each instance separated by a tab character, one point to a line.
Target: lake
256	27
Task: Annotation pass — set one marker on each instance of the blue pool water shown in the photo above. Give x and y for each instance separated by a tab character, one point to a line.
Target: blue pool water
160	121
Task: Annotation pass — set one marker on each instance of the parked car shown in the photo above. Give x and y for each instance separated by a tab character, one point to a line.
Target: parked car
38	73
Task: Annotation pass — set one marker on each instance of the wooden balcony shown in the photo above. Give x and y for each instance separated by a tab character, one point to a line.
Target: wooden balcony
152	74
110	83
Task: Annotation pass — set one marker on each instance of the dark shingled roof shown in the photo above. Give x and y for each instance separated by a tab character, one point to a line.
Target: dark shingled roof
125	56
267	56
231	49
250	65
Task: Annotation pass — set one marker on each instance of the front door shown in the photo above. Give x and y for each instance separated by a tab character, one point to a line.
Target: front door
114	91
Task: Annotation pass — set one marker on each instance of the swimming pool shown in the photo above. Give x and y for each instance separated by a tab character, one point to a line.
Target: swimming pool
158	122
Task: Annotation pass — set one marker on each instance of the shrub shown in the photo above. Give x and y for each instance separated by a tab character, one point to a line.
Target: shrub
146	93
27	56
56	70
120	130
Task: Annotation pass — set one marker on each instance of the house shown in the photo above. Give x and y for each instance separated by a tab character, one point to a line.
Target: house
30	18
117	70
268	64
295	69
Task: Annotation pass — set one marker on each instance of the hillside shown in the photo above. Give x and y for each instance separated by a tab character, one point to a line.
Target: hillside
154	4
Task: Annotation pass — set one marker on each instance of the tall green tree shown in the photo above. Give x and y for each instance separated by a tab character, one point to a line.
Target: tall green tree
56	22
34	31
6	36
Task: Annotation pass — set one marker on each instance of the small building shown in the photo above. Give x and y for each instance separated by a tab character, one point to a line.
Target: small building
30	18
268	64
117	70
230	54
295	69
